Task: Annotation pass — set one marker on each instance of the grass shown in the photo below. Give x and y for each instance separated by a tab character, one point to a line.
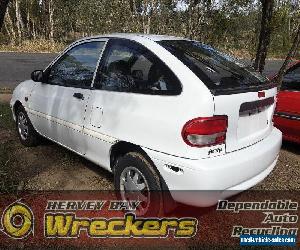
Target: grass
38	45
47	46
8	176
6	121
6	90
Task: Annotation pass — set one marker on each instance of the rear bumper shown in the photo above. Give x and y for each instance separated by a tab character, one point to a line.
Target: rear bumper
218	177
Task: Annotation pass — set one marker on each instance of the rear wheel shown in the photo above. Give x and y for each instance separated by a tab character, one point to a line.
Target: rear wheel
26	133
136	179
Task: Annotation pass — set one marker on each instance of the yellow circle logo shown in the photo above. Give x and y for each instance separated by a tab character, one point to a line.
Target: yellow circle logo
17	220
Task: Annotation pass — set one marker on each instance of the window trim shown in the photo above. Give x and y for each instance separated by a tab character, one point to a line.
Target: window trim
290	90
297	65
70	47
293	67
104	55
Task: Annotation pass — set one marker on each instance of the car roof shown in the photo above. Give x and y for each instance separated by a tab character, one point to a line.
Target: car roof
134	36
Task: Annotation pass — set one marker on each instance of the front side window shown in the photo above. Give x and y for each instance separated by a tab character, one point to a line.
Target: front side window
77	66
291	80
221	73
129	67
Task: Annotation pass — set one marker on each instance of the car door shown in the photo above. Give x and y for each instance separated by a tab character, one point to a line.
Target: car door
130	79
288	104
60	103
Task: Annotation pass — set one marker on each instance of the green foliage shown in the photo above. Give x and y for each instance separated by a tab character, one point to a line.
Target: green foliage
229	24
285	23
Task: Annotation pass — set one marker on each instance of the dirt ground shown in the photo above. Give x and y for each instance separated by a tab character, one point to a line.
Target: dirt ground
52	167
5	98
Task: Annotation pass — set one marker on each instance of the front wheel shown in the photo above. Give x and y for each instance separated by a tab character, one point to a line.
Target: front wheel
136	179
26	132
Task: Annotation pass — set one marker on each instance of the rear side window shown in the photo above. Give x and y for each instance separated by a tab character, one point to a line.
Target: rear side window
130	67
221	73
291	80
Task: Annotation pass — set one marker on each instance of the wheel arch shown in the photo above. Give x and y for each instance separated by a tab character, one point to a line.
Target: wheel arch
15	107
121	148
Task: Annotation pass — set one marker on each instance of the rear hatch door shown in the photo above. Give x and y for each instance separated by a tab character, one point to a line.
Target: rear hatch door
235	87
249	116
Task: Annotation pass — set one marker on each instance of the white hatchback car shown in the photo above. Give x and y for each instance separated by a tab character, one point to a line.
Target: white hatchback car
160	112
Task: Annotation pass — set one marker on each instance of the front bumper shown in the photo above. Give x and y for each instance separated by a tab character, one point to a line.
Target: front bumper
205	181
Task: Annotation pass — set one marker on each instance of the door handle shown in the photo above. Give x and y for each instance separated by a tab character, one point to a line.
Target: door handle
78	96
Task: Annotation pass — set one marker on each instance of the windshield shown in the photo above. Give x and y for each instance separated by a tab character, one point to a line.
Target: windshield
217	70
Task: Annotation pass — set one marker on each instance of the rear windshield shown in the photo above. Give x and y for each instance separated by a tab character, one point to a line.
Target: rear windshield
221	73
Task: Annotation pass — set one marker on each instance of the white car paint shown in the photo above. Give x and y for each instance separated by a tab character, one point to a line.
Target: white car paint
90	127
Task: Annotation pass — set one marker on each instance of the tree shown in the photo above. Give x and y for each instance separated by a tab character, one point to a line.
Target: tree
288	58
229	25
3	7
265	34
19	21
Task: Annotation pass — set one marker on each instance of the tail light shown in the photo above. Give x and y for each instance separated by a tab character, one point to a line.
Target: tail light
205	131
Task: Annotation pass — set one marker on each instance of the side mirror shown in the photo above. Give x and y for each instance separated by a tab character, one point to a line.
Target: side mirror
37	76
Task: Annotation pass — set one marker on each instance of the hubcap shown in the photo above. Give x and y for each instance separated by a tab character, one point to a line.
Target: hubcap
134	186
22	126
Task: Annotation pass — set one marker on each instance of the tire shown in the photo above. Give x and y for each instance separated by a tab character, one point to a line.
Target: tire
26	132
135	163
